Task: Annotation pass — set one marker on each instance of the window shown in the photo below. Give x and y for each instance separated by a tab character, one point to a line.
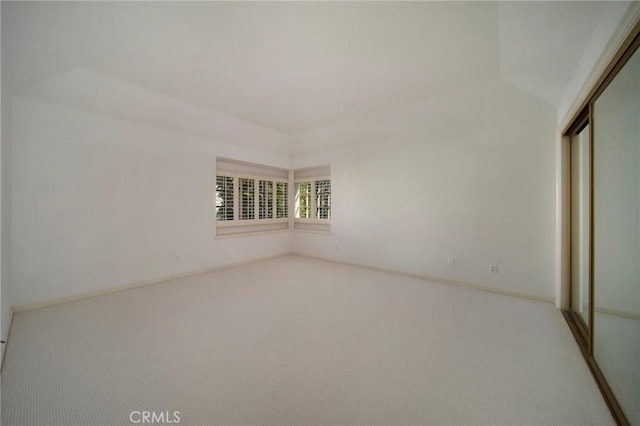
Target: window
265	197
261	205
313	199
253	198
269	197
323	199
247	203
282	202
312	210
224	198
303	200
250	198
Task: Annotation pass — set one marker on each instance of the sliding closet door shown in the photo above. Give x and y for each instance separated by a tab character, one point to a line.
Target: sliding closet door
616	236
580	194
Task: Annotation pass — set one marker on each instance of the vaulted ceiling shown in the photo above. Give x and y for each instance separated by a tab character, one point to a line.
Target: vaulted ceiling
294	66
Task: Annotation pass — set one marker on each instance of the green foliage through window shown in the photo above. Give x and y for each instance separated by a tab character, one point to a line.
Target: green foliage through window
282	202
312	199
224	198
247	199
323	199
265	199
303	200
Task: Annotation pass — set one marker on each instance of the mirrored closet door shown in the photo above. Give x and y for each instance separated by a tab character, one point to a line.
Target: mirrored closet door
616	225
604	222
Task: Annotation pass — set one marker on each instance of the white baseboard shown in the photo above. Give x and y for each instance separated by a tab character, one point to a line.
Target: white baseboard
617	313
436	279
57	301
128	286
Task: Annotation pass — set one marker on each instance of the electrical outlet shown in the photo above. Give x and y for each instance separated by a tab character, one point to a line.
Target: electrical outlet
494	269
178	259
452	262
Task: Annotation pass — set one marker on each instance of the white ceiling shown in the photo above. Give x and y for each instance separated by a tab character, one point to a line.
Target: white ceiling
542	42
301	65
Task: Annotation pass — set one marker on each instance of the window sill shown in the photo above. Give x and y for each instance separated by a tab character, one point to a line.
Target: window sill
249	234
247	229
278	231
311	231
312	226
252	222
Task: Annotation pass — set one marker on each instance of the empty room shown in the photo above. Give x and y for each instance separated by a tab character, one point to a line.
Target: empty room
320	213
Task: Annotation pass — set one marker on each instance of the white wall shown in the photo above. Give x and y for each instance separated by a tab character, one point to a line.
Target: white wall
468	175
5	294
99	202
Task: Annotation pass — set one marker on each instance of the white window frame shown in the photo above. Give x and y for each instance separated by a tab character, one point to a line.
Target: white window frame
312	180
237	199
234	200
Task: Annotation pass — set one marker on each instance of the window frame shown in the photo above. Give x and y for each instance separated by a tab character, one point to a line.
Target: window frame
232	198
312	206
237	199
287	200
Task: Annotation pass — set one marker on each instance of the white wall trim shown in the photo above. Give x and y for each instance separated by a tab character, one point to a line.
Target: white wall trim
136	284
310	231
439	280
250	233
617	313
472	286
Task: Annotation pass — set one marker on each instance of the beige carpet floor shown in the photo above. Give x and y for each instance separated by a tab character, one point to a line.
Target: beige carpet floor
298	341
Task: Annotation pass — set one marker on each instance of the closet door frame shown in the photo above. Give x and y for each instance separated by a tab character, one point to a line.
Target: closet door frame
580	329
584	117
